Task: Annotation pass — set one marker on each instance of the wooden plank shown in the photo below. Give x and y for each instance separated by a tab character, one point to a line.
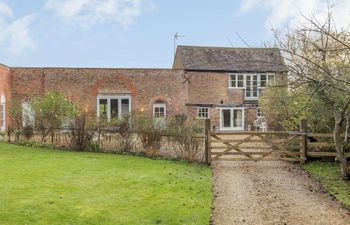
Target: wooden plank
237	140
321	154
261	159
239	153
255	153
319	135
252	133
231	147
330	135
320	144
277	147
243	147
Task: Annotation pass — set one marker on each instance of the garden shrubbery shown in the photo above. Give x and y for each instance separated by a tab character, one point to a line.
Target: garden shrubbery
59	123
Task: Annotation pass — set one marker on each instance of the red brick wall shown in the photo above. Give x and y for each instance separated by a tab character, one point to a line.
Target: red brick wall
144	85
83	85
5	87
212	88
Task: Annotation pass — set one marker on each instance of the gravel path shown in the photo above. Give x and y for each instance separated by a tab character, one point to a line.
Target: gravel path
271	193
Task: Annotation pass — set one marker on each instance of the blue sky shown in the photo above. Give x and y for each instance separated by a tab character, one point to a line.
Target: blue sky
137	33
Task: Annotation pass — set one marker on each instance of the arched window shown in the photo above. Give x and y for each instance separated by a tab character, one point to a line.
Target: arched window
2	113
159	109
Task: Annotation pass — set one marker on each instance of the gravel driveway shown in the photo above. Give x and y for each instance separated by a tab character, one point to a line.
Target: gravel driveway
271	193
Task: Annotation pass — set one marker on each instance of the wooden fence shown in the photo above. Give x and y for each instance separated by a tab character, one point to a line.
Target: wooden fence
267	146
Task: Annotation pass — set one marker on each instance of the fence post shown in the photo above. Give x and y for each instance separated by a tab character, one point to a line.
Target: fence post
303	150
207	150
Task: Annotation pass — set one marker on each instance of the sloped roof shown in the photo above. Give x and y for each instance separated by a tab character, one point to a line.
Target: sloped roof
3	65
229	59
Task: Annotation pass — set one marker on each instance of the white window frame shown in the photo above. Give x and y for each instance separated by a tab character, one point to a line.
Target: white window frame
159	105
267	79
109	98
259	88
198	112
231	121
259	113
3	114
236	75
251	86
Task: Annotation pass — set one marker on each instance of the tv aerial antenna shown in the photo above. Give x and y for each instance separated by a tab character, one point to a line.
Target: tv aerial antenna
177	36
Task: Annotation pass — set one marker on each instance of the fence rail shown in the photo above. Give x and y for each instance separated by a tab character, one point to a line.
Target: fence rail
278	145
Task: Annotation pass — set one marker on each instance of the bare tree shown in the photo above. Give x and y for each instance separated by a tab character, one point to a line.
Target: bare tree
317	55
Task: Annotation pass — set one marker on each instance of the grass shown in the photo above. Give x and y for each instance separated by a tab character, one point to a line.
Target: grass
328	173
40	186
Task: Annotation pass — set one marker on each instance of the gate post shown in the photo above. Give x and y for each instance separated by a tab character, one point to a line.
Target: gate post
303	149
207	150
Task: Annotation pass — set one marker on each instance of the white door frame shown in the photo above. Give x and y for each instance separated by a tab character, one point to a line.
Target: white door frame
231	121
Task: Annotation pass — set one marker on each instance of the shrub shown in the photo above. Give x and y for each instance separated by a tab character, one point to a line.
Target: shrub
28	132
149	133
81	134
16	123
185	137
51	111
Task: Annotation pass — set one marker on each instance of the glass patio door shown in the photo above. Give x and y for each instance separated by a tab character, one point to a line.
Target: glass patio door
232	119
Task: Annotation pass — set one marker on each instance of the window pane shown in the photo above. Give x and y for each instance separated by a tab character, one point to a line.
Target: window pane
103	108
125	107
263	80
159	111
203	113
114	108
247	91
237	118
240	81
226	118
255	86
233	80
271	79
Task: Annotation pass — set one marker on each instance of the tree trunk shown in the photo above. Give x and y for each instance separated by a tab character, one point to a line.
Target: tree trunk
344	165
339	146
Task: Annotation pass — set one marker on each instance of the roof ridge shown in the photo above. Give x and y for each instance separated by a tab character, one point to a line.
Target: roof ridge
87	68
222	47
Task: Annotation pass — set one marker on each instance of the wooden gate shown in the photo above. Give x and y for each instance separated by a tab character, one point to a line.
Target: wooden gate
255	146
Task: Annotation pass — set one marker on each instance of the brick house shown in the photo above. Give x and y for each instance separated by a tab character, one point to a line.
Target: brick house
223	84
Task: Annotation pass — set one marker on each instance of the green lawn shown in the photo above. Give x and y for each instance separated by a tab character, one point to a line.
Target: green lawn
39	186
328	173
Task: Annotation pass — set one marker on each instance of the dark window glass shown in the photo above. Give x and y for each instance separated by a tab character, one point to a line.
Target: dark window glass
226	117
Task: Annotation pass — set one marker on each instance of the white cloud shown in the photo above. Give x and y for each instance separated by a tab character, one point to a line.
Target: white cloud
89	12
15	32
290	12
